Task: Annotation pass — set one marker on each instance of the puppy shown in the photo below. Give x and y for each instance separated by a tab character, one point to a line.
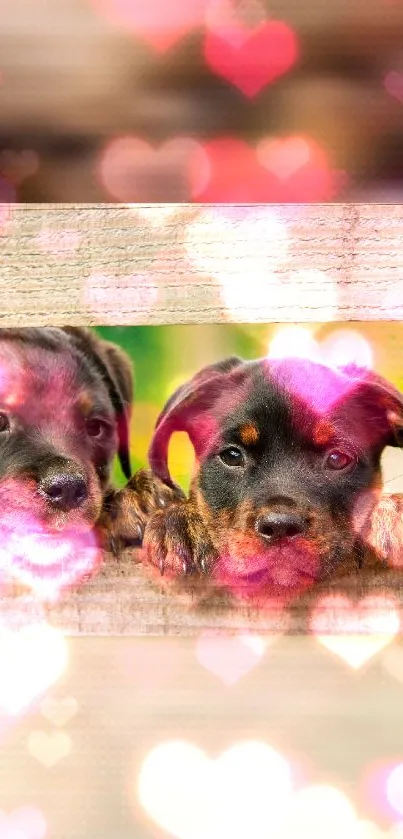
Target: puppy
287	474
65	404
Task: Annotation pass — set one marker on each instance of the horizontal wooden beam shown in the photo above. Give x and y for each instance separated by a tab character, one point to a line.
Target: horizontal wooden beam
158	264
124	599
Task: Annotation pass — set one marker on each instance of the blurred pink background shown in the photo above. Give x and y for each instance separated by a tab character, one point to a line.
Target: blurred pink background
201	100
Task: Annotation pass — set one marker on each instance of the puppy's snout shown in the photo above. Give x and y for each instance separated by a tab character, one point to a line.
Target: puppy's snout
64	490
281	525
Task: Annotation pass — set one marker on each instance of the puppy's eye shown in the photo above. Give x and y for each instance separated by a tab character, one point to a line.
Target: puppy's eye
338	460
4	423
96	427
232	457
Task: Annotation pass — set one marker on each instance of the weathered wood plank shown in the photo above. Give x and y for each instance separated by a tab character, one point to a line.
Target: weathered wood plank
122	264
124	599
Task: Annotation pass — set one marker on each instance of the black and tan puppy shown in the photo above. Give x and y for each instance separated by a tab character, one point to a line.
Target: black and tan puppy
65	403
287	473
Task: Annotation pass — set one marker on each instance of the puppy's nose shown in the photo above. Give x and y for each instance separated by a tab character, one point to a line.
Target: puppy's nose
64	491
281	525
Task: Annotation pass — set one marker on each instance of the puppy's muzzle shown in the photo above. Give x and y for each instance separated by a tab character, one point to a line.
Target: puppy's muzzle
63	488
281	525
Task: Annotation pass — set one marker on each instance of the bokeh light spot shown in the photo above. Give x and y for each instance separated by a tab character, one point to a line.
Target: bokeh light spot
394	788
244	792
31	660
160	23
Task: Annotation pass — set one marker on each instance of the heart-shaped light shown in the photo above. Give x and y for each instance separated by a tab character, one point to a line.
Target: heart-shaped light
245	792
31	660
301	167
255	58
231	657
59	711
342	347
355	632
49	748
46	563
131	170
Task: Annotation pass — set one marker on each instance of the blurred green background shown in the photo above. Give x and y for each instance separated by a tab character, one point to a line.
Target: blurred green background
165	356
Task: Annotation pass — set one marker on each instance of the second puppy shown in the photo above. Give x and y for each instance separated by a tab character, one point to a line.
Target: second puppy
287	473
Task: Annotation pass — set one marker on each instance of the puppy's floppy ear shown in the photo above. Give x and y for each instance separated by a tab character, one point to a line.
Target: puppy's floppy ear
187	402
116	370
385	402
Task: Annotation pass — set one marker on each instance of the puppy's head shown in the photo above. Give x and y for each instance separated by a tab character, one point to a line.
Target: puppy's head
65	399
287	462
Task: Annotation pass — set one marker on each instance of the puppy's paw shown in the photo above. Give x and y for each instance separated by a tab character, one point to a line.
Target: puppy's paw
126	511
177	543
384	532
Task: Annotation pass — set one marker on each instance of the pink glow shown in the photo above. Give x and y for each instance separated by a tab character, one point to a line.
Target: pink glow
232	22
394	789
318	386
115	298
393	83
301	167
161	24
287	169
24	823
18	165
377	783
150	664
45	561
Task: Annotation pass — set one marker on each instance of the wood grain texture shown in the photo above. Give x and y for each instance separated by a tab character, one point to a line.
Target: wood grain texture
157	264
124	599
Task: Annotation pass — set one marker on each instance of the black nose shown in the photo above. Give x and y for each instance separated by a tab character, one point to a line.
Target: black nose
281	525
64	491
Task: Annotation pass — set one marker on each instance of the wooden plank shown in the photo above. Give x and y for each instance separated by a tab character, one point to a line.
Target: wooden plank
132	264
125	599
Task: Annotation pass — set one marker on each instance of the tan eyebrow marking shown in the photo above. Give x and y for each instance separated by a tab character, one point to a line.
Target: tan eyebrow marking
85	403
323	432
249	434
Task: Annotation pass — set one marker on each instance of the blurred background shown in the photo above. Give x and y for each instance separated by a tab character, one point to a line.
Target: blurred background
201	100
164	357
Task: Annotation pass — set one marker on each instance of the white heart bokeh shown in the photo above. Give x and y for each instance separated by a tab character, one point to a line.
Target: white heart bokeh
342	347
242	793
247	251
31	660
246	792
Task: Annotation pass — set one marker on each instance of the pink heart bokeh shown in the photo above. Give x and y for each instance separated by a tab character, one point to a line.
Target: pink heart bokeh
159	23
231	657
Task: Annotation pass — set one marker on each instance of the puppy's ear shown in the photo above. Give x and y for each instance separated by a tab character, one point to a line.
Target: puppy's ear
385	405
116	370
185	405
